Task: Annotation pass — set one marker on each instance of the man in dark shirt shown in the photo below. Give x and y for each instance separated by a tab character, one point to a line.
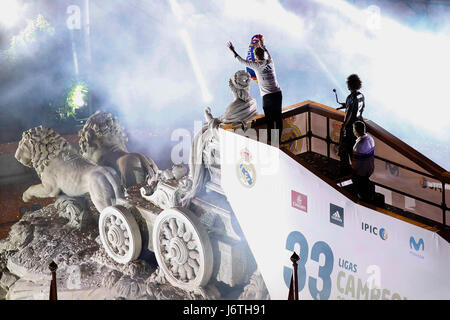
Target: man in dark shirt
354	108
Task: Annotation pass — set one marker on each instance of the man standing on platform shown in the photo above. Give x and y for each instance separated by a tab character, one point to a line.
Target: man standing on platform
268	86
354	108
363	162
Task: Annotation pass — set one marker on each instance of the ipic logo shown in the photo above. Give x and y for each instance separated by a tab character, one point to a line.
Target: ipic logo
375	231
336	215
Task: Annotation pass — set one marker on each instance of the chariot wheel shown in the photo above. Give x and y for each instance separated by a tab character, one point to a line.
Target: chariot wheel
182	248
120	234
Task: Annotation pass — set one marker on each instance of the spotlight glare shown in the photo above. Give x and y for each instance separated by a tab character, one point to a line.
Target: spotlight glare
177	11
78	97
9	13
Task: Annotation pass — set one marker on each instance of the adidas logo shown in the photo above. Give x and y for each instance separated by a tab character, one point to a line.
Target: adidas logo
336	216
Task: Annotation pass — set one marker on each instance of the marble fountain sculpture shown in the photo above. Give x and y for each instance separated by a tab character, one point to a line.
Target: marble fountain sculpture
178	215
61	169
102	141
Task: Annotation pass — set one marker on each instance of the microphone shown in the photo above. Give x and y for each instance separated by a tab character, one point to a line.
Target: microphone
342	104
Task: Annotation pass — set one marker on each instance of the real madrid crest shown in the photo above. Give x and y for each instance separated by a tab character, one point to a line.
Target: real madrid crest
246	170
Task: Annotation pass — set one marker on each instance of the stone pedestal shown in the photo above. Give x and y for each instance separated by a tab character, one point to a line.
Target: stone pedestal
233	261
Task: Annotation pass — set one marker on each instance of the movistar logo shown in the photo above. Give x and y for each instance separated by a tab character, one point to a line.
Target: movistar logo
416	245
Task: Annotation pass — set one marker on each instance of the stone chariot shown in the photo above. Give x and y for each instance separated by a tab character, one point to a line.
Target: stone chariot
195	242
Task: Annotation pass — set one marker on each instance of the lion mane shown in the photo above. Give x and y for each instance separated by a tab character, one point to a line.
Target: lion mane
62	170
46	144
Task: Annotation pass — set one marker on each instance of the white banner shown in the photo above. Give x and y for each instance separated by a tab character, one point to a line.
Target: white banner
347	251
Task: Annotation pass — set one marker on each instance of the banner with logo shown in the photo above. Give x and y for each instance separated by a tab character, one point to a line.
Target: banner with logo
386	173
346	251
295	127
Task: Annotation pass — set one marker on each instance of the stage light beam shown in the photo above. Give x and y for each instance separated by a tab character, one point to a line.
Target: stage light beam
9	13
177	12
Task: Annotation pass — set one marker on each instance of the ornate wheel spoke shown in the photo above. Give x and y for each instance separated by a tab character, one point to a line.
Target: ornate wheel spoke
181	230
182	248
182	272
194	254
194	264
173	226
189	272
191	245
167	258
187	236
120	234
167	232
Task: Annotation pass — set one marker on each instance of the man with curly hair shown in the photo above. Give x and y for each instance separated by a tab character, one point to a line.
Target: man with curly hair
268	86
354	108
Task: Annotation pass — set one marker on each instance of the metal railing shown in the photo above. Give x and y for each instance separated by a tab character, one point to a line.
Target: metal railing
309	107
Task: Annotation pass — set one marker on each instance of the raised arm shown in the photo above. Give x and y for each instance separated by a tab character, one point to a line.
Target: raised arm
231	47
250	64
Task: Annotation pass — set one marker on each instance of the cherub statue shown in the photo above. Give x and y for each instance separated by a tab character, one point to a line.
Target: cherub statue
102	142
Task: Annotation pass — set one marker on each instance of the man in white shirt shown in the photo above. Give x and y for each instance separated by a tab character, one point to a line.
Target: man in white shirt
363	162
268	86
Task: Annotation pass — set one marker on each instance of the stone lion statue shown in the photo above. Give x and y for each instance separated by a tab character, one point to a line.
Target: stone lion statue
62	169
102	141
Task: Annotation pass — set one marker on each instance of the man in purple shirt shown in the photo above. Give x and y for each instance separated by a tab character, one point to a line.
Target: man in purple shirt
363	162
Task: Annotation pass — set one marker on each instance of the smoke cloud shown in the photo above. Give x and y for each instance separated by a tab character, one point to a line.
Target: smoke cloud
158	64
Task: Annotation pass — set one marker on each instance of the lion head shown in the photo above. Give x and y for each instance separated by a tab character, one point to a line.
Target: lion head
240	85
102	129
40	145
